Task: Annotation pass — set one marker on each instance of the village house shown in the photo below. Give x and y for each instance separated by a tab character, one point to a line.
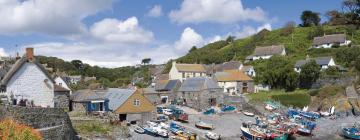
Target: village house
328	41
130	105
184	71
234	82
200	93
323	62
267	52
61	82
75	79
163	92
89	101
27	83
61	97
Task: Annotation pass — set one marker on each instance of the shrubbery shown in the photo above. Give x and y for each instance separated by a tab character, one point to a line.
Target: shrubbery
10	130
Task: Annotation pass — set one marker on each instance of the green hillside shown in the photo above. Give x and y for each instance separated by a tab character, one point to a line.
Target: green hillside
297	42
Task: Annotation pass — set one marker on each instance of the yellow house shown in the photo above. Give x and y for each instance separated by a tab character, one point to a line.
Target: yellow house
130	105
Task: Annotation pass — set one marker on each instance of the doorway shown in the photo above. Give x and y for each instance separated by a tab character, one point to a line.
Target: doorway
122	117
212	101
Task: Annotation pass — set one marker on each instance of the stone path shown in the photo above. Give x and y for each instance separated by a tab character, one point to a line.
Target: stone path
351	93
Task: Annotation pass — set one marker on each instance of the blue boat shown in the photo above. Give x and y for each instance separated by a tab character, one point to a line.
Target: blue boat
209	111
150	131
227	108
352	133
175	128
247	135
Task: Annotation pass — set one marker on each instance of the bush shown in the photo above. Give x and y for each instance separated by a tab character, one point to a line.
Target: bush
10	130
331	90
313	92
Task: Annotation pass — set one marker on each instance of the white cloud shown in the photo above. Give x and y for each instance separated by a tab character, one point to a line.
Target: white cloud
248	30
217	11
55	17
104	55
125	32
188	39
155	11
3	53
214	39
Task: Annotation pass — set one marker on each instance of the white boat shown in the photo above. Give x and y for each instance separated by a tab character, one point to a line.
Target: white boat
305	109
164	126
212	136
161	132
204	125
269	107
248	114
139	129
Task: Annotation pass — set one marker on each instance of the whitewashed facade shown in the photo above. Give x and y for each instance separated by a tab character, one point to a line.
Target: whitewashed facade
181	74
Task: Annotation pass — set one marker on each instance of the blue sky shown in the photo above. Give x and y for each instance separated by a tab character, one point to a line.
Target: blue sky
122	32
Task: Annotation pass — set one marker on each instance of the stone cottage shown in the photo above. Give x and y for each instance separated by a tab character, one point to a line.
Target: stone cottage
163	93
235	82
61	97
61	81
27	83
323	62
89	101
200	93
130	105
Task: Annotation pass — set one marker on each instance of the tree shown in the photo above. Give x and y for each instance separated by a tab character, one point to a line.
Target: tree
335	18
310	18
351	10
310	72
230	39
288	28
193	48
357	64
78	64
277	72
145	61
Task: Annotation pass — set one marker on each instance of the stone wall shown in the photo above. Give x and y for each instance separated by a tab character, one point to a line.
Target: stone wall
53	123
342	81
155	98
62	100
200	100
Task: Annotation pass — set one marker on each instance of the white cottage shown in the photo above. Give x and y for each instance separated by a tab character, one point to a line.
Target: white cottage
183	71
27	82
323	62
267	52
61	82
328	41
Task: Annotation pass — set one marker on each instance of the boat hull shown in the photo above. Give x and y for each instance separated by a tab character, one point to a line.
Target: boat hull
248	136
350	135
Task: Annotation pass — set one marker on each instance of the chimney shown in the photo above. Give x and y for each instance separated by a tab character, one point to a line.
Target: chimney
30	54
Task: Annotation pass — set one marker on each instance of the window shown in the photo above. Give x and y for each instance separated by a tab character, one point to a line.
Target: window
194	74
136	102
183	75
200	74
244	84
60	84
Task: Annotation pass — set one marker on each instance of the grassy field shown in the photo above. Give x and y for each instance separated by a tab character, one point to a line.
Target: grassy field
92	127
297	98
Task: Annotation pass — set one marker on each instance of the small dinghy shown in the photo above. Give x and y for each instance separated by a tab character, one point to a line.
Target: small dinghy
352	132
212	136
139	129
150	131
204	125
248	114
161	132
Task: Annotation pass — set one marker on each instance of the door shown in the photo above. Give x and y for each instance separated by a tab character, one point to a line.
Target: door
122	117
212	101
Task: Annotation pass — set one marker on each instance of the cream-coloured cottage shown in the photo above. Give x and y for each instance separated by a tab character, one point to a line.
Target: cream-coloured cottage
183	71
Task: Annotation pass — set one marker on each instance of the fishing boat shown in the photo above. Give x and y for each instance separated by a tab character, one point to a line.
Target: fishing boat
212	136
248	135
209	111
203	125
174	128
139	129
150	131
248	114
269	107
161	132
351	132
227	108
303	131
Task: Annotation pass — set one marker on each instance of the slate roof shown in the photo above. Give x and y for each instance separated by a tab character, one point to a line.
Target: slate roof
318	60
18	65
198	84
190	68
162	77
166	85
118	96
269	50
87	95
232	76
334	38
231	65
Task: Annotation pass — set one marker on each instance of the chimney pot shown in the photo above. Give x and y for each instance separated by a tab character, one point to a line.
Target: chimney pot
30	53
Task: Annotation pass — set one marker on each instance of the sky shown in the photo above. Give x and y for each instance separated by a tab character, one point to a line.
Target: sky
114	33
